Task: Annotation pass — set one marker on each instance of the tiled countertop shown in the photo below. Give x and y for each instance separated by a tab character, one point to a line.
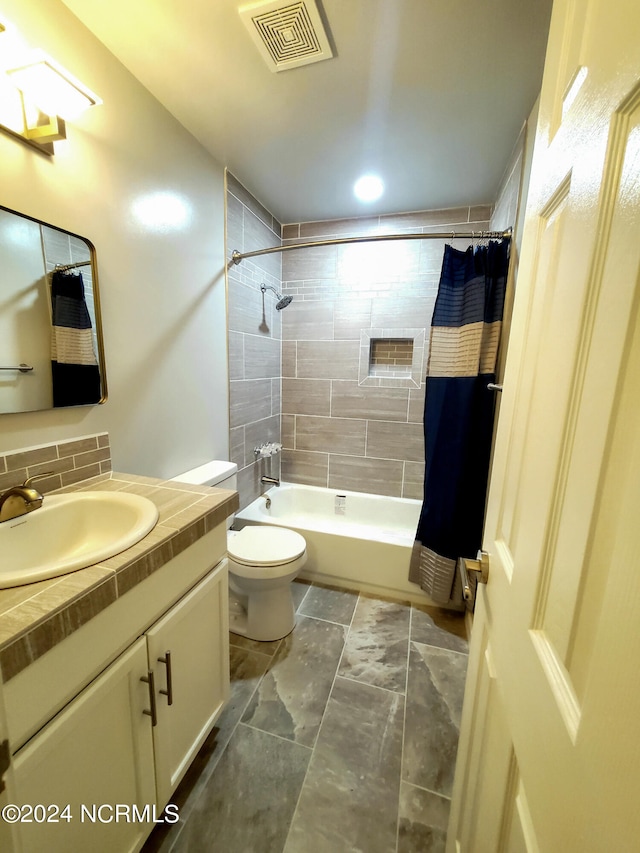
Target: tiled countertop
37	616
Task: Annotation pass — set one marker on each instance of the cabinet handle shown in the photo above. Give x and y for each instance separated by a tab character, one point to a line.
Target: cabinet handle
166	660
153	713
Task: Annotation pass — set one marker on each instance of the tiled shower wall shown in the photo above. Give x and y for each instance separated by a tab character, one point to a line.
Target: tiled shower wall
255	332
342	426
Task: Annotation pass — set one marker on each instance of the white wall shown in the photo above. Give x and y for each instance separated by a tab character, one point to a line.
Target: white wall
162	286
511	203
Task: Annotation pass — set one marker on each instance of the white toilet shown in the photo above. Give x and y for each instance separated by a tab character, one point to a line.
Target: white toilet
263	560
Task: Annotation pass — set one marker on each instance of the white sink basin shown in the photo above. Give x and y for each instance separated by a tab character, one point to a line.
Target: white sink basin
70	532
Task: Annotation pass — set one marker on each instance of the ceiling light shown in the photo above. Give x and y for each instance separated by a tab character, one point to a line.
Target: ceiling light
51	88
368	188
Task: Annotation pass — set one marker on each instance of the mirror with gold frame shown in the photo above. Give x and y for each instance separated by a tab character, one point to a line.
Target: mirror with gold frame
51	347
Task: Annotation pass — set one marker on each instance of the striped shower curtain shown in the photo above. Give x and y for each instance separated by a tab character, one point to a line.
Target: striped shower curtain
458	416
74	366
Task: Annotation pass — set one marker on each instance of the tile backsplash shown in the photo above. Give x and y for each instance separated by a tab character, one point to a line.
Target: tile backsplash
68	461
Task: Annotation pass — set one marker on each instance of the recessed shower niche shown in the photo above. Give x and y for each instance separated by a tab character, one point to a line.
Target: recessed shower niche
391	358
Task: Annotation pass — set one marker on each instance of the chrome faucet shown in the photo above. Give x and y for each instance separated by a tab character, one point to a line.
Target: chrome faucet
271	481
19	500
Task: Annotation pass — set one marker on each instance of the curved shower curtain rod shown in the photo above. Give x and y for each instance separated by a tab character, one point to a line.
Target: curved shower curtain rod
237	256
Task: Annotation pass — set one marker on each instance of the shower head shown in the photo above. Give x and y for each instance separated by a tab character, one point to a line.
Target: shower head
283	301
286	300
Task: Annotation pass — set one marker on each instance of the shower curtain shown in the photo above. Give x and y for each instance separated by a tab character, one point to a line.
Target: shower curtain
458	415
74	366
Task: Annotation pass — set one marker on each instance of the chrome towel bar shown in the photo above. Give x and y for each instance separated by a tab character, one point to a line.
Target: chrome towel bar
23	368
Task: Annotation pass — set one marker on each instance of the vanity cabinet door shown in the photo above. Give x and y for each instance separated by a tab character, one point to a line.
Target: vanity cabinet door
189	654
97	752
8	843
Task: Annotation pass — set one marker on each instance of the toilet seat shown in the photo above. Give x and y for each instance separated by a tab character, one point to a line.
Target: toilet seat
265	546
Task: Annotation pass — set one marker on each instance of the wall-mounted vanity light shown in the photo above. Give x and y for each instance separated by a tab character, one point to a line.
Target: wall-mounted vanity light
37	95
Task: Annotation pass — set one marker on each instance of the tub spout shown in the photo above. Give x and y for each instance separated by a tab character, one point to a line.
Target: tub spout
271	481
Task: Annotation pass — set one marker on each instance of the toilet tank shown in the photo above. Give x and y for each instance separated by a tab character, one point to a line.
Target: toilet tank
223	475
217	473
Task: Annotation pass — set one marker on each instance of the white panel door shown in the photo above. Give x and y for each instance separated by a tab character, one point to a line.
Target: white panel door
549	757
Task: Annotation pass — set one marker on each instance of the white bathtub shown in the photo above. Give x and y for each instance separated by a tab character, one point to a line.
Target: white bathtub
354	540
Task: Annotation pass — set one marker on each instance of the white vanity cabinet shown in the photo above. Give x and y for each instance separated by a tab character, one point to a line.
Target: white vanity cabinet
129	736
97	752
190	661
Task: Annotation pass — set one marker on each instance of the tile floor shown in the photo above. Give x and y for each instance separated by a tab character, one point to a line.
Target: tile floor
339	738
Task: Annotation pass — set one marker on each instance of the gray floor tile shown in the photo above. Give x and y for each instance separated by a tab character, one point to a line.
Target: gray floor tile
292	696
186	796
268	647
437	626
299	590
377	646
349	800
246	670
247	804
330	603
240	793
432	723
423	818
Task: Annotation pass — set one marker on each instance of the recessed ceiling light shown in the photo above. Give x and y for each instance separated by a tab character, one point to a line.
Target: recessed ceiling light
368	188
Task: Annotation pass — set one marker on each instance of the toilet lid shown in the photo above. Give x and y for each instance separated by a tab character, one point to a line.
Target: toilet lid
265	545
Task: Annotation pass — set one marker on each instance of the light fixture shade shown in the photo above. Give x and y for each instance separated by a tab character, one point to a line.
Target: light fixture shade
51	88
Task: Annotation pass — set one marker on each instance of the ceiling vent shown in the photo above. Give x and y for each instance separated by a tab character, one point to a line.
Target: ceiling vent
287	34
